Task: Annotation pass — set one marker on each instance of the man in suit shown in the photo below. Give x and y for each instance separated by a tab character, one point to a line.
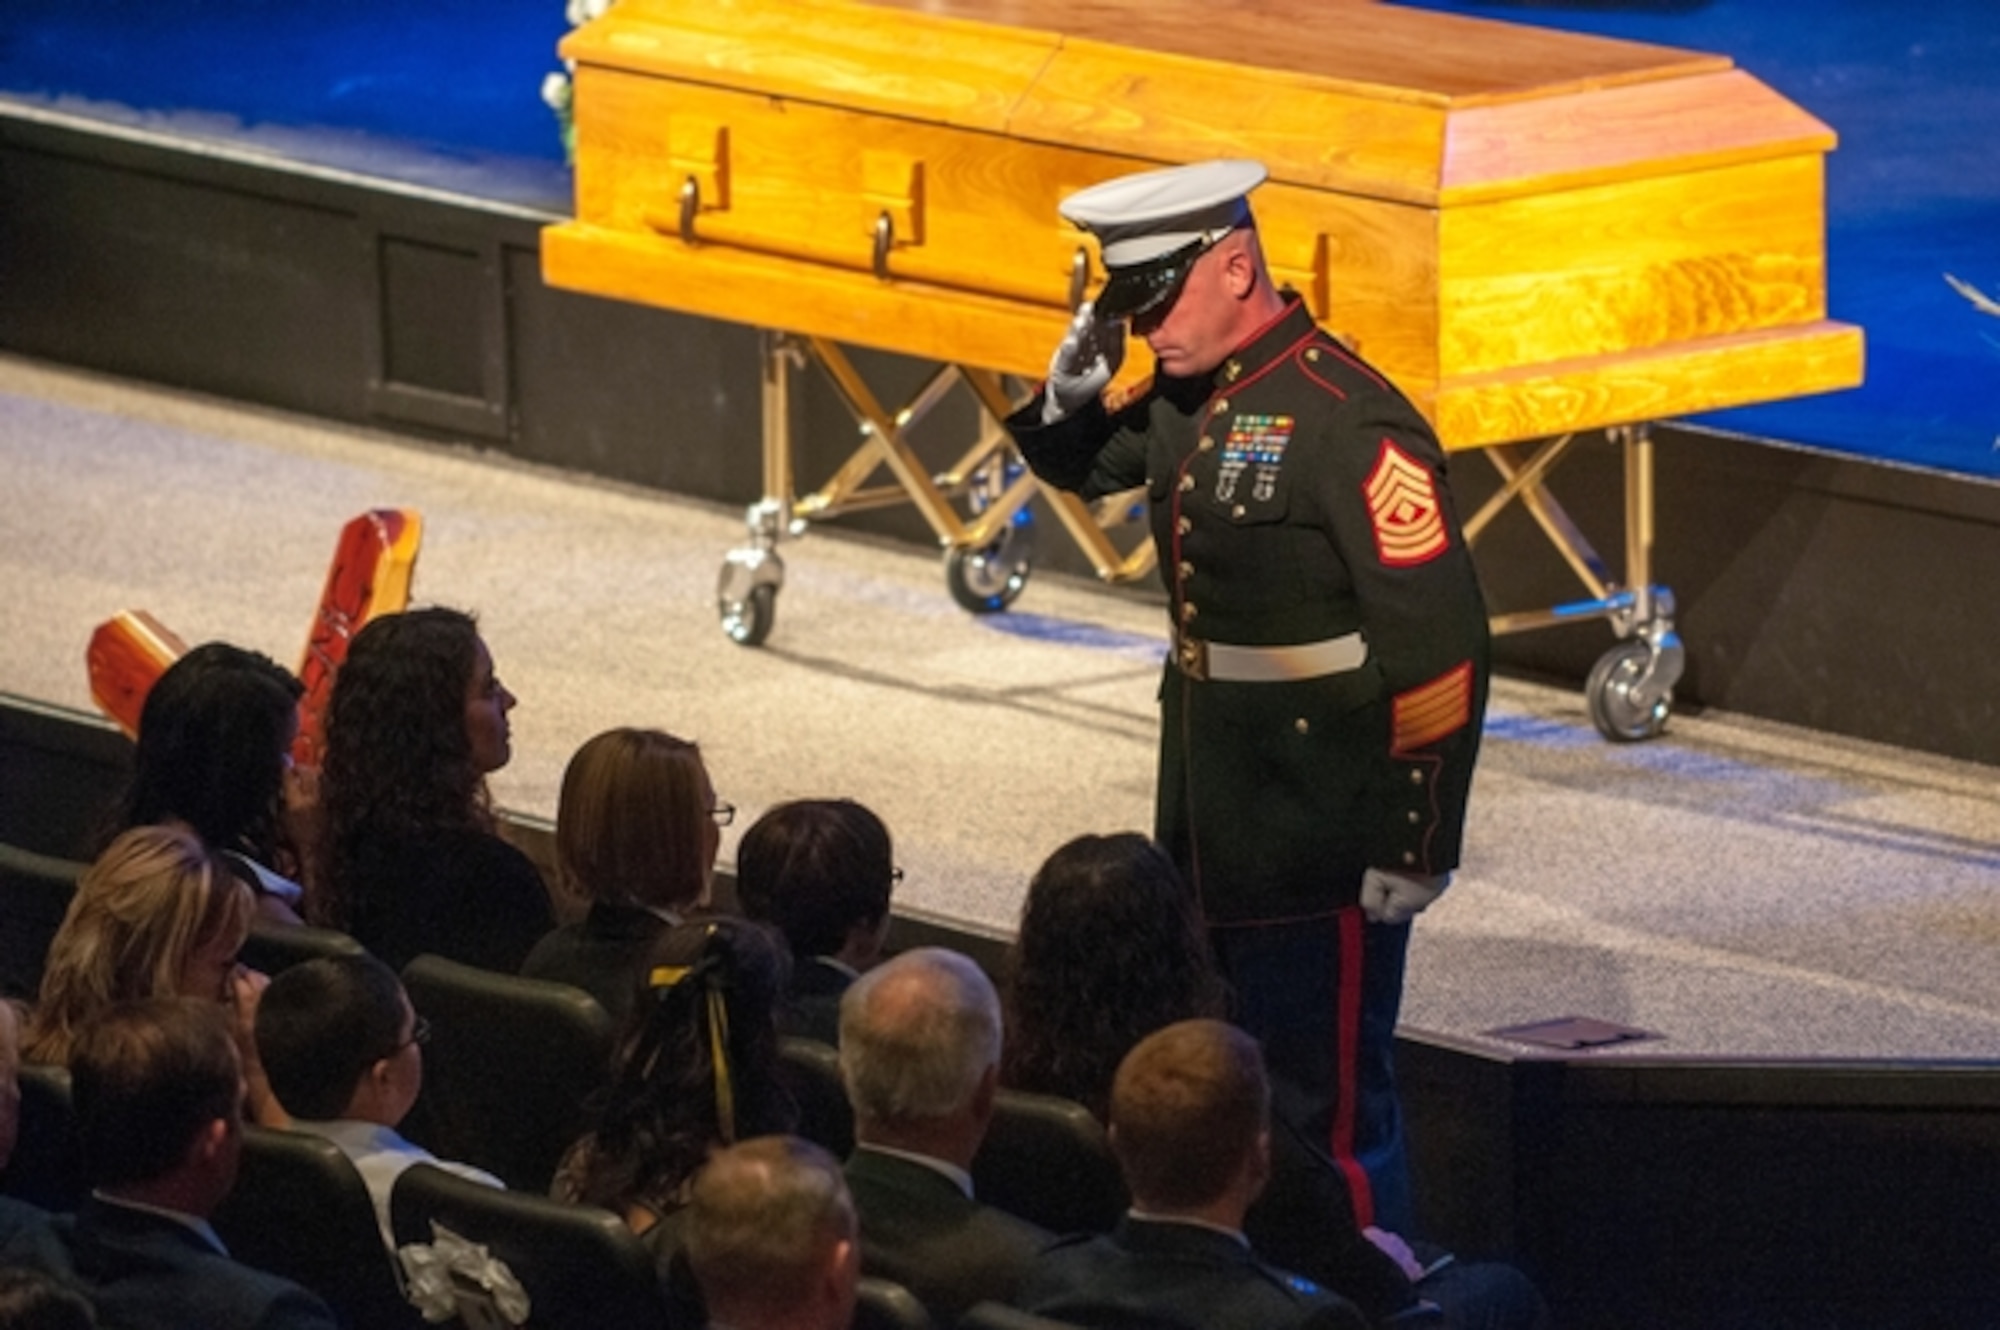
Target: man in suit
158	1089
24	1228
820	871
1190	1126
771	1237
920	1054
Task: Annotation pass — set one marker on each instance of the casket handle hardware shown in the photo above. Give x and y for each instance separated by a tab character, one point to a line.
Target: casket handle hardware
690	205
741	234
885	240
1079	277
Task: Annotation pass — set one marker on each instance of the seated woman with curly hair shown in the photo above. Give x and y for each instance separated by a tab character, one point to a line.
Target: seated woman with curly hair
637	833
214	756
410	861
696	1069
155	915
1112	947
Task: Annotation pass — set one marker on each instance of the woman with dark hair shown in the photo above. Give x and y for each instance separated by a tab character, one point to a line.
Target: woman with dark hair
1110	948
214	756
696	1069
820	871
410	860
637	830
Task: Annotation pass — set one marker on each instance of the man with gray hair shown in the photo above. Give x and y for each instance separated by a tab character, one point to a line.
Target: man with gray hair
771	1238
920	1054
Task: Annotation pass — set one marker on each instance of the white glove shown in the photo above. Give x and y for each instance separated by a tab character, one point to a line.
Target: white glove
1089	354
1397	898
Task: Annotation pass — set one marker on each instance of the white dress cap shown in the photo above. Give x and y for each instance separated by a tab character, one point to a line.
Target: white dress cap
1138	218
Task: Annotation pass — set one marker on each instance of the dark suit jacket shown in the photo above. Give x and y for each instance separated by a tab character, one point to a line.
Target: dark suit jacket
146	1272
602	954
1169	1276
920	1230
812	1007
29	1235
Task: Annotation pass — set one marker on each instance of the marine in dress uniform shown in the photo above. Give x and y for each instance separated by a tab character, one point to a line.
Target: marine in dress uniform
1323	696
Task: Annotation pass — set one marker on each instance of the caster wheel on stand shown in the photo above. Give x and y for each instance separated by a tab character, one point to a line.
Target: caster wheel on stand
748	621
746	595
989	579
1629	694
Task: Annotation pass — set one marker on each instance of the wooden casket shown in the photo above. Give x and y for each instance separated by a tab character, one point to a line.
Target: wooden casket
1533	232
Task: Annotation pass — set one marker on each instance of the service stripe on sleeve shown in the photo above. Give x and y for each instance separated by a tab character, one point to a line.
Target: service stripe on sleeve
1431	711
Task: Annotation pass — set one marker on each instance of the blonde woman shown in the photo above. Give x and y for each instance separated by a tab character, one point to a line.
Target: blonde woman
157	915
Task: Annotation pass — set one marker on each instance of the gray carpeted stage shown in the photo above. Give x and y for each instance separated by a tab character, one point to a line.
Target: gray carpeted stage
1737	887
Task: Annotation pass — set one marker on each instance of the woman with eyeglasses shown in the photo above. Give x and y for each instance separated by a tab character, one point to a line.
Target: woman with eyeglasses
411	860
638	828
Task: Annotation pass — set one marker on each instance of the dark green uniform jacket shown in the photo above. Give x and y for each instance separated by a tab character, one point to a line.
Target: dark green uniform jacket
1296	497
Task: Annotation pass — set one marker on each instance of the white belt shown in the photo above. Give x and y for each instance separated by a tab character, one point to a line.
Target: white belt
1228	663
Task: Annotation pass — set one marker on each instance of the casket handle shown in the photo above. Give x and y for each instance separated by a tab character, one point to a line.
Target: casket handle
1079	277
885	240
690	205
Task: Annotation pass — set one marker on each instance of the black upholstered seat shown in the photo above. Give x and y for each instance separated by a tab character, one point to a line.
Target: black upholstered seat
999	1316
299	1209
35	892
274	947
810	1070
882	1304
47	1167
581	1267
1047	1159
509	1065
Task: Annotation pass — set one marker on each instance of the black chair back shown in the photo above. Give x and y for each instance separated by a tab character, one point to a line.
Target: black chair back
999	1316
1046	1159
272	947
810	1070
47	1166
581	1267
509	1066
882	1304
35	892
300	1210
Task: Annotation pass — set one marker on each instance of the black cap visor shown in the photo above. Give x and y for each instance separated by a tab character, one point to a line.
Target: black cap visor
1139	287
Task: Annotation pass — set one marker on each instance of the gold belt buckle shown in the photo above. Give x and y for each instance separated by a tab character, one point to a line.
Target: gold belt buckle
1191	654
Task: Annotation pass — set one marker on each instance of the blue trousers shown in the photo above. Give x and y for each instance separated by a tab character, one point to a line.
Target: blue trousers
1323	996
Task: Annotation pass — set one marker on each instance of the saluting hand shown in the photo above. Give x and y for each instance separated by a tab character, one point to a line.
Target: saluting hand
1083	364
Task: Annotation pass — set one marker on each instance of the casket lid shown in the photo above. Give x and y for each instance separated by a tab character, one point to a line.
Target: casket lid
1350	95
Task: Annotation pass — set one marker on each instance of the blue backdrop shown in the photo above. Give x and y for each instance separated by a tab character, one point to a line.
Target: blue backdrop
446	93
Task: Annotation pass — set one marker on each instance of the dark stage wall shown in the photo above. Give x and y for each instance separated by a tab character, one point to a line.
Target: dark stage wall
1829	591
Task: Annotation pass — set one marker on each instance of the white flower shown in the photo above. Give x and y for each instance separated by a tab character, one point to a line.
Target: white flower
580	12
556	91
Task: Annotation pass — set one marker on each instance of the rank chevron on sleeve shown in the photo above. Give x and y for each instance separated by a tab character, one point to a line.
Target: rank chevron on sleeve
1403	506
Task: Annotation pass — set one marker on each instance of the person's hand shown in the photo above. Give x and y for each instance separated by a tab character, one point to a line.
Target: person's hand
245	990
304	819
1396	1250
1396	898
1083	363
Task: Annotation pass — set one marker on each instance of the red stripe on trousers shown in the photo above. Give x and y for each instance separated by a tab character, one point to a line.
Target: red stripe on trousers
1346	1064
